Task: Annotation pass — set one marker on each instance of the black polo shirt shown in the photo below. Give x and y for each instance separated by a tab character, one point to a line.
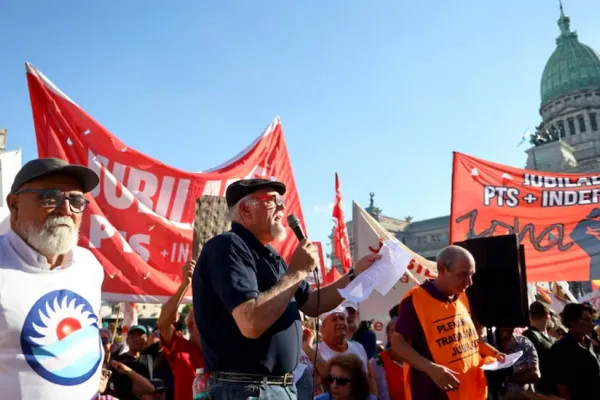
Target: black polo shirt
232	268
577	367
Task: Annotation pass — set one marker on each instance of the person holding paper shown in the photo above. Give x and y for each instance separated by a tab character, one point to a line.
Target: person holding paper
436	337
247	298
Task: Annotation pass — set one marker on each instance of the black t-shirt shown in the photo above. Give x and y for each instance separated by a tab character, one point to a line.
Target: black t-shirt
143	365
575	367
233	268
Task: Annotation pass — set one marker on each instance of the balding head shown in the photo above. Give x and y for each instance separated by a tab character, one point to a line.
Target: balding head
455	268
451	255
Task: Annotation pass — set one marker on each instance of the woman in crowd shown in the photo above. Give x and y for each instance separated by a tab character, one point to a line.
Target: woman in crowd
388	370
346	380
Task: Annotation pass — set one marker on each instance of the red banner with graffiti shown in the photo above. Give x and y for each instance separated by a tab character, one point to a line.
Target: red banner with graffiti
556	216
139	222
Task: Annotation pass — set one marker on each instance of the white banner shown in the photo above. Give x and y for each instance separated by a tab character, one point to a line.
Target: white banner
368	236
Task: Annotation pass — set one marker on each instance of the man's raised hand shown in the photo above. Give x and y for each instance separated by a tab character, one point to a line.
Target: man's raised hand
187	271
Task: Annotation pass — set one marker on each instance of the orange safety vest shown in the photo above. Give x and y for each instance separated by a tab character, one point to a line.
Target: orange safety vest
453	342
394	376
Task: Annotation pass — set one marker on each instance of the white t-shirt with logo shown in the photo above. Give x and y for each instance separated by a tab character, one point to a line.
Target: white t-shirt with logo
326	353
50	345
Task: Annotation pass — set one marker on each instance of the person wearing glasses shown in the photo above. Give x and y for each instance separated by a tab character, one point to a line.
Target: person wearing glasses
247	299
346	380
49	287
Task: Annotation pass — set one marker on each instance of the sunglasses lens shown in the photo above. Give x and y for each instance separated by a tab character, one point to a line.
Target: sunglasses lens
339	381
52	198
279	201
78	203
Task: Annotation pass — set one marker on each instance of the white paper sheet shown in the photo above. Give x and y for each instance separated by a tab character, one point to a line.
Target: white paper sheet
381	276
510	360
395	261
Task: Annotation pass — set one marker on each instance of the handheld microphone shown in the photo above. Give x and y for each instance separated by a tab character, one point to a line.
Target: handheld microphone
294	224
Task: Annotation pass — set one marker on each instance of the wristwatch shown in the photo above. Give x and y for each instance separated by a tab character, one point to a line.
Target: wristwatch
351	274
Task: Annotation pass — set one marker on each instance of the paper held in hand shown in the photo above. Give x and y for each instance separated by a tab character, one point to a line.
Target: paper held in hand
382	275
510	360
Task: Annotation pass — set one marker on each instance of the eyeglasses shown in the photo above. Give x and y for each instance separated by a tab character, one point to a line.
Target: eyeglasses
338	380
276	199
54	198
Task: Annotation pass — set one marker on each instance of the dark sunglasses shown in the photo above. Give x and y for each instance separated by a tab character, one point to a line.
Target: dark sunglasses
338	380
54	198
104	341
276	199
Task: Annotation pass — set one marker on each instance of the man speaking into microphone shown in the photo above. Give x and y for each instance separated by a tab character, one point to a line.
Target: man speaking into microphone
247	299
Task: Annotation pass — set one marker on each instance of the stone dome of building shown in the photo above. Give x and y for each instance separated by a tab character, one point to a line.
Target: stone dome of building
571	68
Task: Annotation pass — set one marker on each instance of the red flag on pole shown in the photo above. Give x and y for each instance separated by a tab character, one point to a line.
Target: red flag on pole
332	276
341	243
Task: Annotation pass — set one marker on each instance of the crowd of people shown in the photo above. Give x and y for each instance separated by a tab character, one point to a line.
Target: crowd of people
257	330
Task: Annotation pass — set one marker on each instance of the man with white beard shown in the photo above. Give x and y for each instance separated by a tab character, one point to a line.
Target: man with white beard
50	345
247	299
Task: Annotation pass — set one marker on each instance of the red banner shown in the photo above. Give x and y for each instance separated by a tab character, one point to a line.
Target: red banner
139	222
556	216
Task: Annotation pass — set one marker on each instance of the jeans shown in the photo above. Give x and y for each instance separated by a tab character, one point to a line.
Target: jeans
220	390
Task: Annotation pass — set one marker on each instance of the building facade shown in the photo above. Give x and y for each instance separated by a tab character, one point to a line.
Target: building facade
566	141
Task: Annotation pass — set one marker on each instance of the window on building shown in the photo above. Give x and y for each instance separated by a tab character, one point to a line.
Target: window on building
581	123
561	128
593	122
571	123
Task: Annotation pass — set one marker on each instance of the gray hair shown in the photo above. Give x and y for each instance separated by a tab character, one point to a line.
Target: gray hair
450	255
234	211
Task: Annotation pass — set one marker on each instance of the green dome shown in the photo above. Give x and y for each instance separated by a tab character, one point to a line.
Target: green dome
572	67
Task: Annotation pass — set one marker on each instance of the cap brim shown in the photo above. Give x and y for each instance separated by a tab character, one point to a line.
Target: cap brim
85	176
138	329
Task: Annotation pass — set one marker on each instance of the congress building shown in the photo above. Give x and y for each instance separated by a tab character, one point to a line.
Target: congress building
567	139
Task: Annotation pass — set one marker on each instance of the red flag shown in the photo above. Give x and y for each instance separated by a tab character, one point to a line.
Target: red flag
341	243
332	276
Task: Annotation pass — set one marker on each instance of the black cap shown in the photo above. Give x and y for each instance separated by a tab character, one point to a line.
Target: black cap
239	189
41	167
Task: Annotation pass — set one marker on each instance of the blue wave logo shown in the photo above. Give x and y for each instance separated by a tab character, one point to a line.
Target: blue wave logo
60	338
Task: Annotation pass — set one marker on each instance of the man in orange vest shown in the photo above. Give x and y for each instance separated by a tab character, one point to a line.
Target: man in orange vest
436	337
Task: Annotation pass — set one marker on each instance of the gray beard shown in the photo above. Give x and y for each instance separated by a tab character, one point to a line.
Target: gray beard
278	232
53	238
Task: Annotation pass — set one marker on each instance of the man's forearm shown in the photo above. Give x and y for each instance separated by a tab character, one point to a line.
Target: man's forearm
270	305
168	312
329	297
405	351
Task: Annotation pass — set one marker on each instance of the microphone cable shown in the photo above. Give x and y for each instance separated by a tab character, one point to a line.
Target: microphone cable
317	327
